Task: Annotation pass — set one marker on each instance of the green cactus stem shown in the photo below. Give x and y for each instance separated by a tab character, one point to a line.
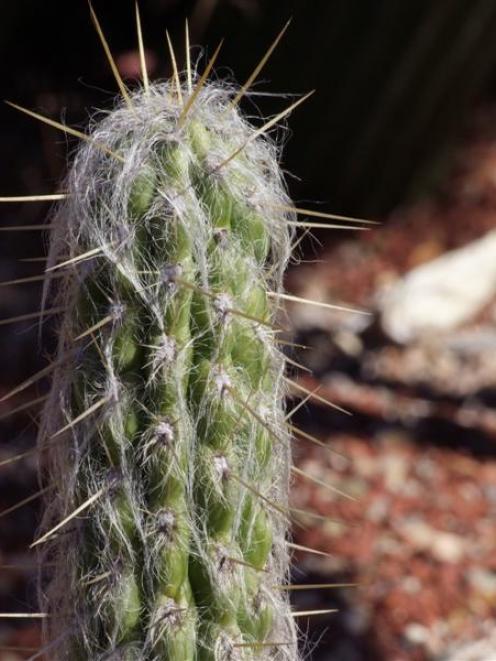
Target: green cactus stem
169	390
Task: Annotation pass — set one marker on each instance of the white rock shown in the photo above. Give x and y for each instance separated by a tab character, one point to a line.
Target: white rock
417	633
442	294
443	546
478	650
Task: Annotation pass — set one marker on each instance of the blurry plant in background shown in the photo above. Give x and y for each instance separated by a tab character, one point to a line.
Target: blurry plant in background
405	114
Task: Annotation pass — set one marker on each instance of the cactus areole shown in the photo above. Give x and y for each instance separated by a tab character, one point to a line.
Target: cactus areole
164	429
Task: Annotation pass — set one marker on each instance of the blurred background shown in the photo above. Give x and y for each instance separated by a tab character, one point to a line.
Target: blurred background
402	130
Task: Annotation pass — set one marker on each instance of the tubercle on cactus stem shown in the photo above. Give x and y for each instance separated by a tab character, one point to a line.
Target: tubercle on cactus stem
165	422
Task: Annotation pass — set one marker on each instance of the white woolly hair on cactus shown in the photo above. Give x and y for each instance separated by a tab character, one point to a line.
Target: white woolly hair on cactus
165	445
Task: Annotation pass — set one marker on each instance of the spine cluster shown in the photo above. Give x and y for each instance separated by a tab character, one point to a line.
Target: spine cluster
165	423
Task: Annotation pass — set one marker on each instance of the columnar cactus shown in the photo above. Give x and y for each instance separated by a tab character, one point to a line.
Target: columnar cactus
164	426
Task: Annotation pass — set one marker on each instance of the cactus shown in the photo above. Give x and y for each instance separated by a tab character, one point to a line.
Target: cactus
164	425
164	438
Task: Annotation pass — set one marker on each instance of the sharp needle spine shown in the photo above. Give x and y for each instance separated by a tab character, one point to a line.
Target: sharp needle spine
320	304
199	85
319	214
24	501
71	516
314	395
307	476
259	66
141	48
31	315
174	68
65	129
189	75
307	549
35	198
111	61
27	228
101	402
263	129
